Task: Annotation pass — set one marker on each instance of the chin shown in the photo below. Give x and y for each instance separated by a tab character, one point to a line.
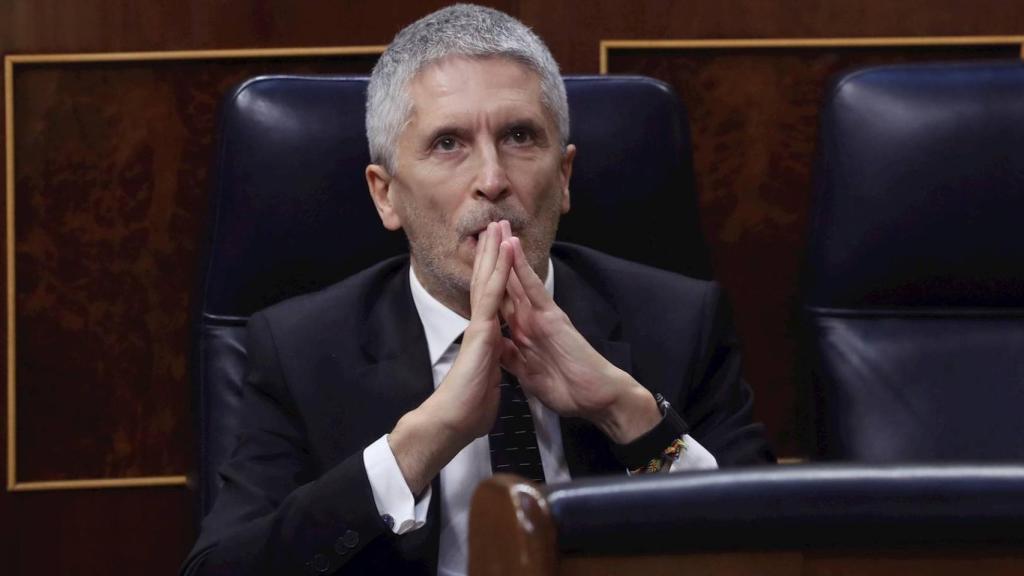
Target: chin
537	255
456	281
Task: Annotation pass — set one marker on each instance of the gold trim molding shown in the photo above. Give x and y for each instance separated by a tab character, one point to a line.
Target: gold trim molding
10	60
93	483
606	46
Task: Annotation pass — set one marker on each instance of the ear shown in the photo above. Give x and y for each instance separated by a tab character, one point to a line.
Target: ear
379	182
566	172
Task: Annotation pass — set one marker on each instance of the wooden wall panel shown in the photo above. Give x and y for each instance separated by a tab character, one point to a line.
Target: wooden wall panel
572	31
36	26
96	532
111	195
110	192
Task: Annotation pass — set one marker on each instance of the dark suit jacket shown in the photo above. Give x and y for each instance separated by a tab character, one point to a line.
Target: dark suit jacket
331	372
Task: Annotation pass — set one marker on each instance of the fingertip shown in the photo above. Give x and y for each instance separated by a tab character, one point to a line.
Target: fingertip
506	255
520	256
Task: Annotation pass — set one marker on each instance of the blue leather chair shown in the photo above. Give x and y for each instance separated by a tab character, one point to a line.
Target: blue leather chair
291	212
915	276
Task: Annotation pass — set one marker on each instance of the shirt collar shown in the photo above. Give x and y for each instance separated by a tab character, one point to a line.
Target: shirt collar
442	325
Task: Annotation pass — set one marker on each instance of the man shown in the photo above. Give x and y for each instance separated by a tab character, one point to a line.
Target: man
374	407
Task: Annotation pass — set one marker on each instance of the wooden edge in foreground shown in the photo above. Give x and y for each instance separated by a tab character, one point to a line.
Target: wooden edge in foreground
511	530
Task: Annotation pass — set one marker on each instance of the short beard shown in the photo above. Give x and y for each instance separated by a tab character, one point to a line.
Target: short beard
440	275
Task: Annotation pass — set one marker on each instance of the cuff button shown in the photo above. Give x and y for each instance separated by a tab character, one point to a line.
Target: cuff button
320	563
339	547
388	521
350	539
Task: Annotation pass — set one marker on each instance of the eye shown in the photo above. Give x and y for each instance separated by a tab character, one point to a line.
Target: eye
446	143
520	135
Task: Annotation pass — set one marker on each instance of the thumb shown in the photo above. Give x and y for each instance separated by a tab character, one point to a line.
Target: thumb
512	359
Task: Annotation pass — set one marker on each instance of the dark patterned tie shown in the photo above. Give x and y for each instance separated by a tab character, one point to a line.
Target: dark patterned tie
513	438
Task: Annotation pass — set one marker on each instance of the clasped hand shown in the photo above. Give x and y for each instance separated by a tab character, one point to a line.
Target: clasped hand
551	359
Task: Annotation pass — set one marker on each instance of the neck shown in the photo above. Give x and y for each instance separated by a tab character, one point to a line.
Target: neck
453	297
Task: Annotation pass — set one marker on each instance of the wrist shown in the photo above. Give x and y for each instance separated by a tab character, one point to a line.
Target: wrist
422	445
659	446
633	413
444	425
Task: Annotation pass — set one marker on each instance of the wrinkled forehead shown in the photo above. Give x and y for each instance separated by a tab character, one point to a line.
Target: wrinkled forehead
463	84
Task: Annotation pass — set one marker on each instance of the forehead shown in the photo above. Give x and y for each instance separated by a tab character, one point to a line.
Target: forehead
463	87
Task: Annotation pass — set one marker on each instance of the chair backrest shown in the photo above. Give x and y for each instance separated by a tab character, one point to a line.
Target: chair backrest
292	213
915	276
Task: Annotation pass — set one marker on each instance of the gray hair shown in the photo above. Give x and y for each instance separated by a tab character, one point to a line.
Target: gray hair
459	30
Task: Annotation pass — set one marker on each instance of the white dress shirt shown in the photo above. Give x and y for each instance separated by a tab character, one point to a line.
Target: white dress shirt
472	465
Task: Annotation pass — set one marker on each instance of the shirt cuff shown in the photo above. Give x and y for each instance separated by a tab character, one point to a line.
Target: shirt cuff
395	503
693	457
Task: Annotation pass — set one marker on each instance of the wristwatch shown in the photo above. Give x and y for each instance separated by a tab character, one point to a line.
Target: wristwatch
651	444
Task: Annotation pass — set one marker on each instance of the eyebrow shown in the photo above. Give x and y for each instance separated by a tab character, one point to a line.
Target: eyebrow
455	129
526	122
446	129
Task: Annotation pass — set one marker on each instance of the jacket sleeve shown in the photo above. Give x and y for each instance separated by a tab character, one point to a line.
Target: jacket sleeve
719	404
277	512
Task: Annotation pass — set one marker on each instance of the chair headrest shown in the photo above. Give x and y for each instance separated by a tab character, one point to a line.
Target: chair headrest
920	188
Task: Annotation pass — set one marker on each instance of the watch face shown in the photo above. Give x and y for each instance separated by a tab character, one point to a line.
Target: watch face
662	403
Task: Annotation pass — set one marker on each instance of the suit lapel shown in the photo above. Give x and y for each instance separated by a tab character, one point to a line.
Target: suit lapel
586	448
400	374
399	368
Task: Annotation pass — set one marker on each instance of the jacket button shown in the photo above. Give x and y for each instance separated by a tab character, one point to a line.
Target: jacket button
339	547
350	539
320	563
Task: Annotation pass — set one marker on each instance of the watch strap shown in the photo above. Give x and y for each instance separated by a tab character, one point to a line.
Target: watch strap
655	441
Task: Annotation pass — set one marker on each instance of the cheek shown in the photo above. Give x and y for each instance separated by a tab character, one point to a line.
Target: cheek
429	195
443	186
540	183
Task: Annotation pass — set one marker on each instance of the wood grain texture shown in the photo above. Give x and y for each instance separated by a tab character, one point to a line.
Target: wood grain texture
97	533
111	188
33	26
511	529
572	31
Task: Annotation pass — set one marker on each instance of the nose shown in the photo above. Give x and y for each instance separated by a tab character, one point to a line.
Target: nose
492	181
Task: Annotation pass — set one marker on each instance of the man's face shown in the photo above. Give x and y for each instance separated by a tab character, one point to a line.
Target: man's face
479	147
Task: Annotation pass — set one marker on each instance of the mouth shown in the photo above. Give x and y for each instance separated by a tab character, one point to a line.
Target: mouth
473	238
